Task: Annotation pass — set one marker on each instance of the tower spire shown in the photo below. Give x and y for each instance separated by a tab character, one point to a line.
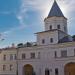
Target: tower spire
55	10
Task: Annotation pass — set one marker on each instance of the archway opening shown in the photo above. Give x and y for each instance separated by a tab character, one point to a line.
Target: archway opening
69	69
28	69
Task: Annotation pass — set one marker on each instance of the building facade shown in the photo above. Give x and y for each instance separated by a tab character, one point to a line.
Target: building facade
54	53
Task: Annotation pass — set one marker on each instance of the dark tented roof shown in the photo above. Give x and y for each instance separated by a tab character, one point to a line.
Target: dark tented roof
65	39
55	11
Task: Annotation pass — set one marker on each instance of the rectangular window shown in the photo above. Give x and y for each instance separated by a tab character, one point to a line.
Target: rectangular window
74	52
23	56
39	55
58	26
51	40
32	55
4	67
11	56
47	72
64	53
15	56
56	71
55	53
50	27
4	57
43	41
11	67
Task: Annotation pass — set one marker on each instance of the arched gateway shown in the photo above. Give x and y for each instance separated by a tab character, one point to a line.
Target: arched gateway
28	69
69	69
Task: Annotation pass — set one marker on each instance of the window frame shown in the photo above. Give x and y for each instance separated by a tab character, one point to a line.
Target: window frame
11	57
23	56
4	57
47	72
43	41
58	26
51	40
56	71
11	67
32	55
63	53
55	54
50	27
4	67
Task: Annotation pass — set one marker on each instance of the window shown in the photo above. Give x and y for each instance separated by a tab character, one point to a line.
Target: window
43	41
50	27
11	67
32	55
23	56
74	52
51	40
4	67
56	71
46	71
11	56
39	55
64	28
58	26
15	56
55	53
64	53
4	57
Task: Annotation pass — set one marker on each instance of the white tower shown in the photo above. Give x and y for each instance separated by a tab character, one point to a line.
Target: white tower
55	28
56	19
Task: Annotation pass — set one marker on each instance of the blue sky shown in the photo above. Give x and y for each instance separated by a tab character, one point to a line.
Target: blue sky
20	19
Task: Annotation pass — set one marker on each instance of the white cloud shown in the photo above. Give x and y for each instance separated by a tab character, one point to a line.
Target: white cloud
43	6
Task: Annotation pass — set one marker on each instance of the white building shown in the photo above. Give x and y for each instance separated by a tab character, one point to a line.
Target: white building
53	55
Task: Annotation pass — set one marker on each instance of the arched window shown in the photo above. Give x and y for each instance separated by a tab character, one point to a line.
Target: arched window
58	26
50	27
47	72
51	40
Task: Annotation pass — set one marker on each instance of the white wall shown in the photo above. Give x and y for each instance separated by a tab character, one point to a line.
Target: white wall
54	21
46	36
